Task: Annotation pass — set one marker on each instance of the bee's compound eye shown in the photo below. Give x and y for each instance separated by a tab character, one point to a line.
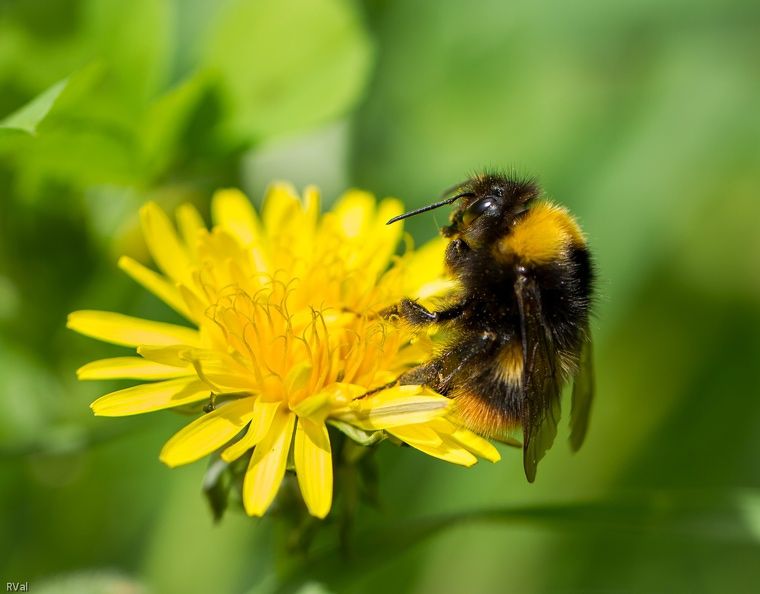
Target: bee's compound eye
477	208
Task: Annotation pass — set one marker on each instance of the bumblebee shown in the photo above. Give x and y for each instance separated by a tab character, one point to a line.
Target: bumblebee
517	325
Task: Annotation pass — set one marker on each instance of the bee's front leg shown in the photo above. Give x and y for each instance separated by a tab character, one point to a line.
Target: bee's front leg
413	313
410	312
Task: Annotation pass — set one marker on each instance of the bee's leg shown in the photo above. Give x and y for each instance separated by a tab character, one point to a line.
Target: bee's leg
438	373
423	375
418	315
457	359
378	389
409	311
458	256
427	374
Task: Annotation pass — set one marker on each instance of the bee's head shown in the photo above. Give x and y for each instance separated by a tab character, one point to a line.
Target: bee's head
487	207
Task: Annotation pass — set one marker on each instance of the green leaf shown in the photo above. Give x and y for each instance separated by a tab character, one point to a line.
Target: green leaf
27	118
660	515
86	137
165	123
287	65
135	40
216	486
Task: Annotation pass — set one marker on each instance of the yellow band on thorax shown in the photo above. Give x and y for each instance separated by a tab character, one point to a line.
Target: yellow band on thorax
544	235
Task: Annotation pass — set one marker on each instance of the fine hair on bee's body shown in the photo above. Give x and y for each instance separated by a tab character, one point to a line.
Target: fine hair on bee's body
518	323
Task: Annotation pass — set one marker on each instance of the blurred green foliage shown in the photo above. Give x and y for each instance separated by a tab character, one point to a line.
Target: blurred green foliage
640	116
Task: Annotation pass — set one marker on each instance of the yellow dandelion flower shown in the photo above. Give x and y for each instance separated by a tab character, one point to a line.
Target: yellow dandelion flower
285	338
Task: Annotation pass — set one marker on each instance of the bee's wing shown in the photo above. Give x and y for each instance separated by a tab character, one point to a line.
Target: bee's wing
541	385
583	394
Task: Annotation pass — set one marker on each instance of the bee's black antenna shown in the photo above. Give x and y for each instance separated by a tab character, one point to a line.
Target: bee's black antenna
428	207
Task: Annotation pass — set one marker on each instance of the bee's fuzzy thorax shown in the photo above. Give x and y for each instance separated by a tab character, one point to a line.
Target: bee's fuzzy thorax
543	235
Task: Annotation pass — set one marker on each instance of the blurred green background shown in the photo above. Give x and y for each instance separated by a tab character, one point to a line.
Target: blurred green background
642	117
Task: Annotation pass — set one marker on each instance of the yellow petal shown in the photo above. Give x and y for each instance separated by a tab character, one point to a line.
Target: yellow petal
311	206
224	246
313	462
210	432
424	268
364	225
382	238
424	275
318	407
164	245
240	447
128	368
162	288
150	397
475	444
190	224
232	210
263	415
168	355
195	306
445	449
386	210
267	466
129	331
281	206
419	434
220	370
353	211
298	378
399	405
